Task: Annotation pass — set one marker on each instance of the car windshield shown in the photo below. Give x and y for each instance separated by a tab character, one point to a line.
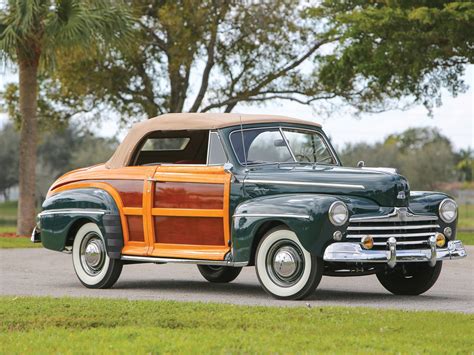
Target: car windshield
286	145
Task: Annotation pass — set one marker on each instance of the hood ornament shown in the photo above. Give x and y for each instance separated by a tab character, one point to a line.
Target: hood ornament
401	195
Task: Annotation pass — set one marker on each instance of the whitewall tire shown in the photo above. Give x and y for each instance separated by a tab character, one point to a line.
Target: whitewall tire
91	263
284	268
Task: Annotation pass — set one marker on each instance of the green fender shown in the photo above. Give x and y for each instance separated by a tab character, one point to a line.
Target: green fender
428	202
304	214
64	213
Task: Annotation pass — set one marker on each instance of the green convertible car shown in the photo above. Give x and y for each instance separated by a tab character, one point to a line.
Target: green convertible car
226	191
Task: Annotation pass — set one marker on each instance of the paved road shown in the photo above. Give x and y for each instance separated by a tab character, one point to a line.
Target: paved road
39	272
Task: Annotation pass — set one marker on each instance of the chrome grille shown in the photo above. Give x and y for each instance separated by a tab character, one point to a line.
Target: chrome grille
411	231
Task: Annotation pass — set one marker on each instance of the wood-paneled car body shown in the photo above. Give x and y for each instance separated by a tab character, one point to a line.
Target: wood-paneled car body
225	191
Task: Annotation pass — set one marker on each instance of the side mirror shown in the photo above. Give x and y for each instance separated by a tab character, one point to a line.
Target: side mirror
228	167
361	164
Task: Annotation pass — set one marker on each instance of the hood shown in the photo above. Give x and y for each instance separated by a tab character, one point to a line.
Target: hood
384	187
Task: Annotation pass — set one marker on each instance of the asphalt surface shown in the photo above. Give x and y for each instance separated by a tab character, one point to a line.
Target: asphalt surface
40	272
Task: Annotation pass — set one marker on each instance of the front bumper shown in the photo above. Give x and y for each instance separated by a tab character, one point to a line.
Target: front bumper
354	253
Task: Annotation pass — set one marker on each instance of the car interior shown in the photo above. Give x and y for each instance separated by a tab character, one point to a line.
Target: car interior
179	147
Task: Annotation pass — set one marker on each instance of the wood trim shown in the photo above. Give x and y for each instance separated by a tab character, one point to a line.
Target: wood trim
194	174
186	212
133	211
185	251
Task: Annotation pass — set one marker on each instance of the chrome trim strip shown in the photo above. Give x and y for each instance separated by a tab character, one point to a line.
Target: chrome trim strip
152	259
238	215
411	242
399	214
353	253
299	183
71	210
426	234
368	228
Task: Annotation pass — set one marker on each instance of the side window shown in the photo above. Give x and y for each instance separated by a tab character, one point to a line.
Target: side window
165	144
216	154
173	147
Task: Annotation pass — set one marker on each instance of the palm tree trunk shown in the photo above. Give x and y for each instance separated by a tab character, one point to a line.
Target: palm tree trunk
28	141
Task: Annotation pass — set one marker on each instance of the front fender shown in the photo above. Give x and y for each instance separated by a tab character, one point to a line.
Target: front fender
65	211
305	214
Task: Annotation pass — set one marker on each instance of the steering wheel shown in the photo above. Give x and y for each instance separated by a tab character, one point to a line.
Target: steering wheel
302	158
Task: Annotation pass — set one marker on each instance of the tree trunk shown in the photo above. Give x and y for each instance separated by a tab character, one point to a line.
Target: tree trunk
28	141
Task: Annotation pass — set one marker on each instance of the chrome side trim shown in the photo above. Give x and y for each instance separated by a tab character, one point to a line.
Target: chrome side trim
398	214
152	259
365	228
299	183
71	210
353	253
239	215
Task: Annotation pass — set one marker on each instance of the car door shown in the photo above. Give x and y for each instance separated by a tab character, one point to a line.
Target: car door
190	210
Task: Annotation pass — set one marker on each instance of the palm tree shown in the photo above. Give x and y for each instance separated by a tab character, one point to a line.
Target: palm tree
32	34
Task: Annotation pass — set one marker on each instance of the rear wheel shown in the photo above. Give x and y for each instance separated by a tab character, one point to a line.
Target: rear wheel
91	263
284	268
410	279
219	274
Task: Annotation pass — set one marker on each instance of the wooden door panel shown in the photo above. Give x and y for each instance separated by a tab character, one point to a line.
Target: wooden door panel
188	195
189	230
191	212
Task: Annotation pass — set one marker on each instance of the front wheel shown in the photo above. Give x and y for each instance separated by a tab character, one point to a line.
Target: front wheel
284	268
219	274
410	279
91	263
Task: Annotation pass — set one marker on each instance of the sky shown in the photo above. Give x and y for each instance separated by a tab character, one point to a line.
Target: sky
455	118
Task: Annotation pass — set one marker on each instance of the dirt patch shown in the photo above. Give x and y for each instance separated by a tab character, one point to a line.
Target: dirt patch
11	235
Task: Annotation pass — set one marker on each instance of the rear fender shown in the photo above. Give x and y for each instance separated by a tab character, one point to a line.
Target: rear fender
64	212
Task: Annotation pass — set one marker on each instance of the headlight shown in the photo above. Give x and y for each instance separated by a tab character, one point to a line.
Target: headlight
448	210
338	213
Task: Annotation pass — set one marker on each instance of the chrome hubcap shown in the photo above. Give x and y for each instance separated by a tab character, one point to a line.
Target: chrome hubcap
92	254
285	263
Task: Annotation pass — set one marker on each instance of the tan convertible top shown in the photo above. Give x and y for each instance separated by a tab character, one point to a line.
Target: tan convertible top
188	121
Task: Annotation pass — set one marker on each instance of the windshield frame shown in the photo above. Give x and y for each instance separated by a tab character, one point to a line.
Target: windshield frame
281	129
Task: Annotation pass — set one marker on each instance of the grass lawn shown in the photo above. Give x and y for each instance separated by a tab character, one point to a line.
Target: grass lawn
15	242
20	242
466	237
65	325
466	217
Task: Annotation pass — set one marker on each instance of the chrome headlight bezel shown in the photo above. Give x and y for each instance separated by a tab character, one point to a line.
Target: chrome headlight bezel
335	210
442	210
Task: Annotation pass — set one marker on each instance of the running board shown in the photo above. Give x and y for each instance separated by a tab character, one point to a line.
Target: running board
153	259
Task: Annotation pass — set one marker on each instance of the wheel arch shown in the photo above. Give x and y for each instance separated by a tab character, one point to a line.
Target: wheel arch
305	214
71	206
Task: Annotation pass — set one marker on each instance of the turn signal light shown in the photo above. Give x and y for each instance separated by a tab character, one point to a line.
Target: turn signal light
440	240
367	242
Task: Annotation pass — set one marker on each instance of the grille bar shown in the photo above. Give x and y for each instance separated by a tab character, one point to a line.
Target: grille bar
410	230
424	234
366	228
411	242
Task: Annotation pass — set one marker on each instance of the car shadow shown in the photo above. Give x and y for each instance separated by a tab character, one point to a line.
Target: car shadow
254	291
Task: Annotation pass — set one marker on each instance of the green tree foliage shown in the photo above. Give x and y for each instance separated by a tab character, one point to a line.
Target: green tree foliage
59	151
198	56
394	49
211	55
33	33
423	155
465	164
9	141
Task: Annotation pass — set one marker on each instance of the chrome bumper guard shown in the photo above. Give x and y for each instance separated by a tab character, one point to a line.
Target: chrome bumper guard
354	253
35	236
